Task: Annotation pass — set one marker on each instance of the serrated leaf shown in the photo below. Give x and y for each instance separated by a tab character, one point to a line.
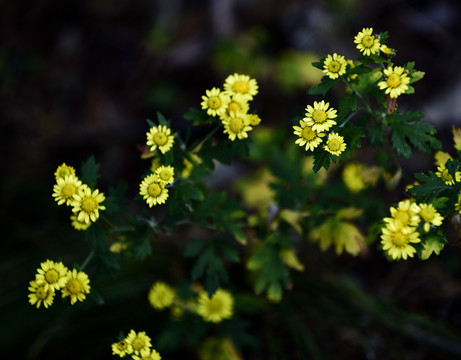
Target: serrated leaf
376	134
161	120
432	244
90	172
416	76
431	186
193	248
199	117
96	236
321	160
323	87
114	199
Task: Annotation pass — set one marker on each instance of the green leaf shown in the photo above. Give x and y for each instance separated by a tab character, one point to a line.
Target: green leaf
376	134
199	117
432	244
114	200
96	297
323	87
96	236
90	172
141	246
431	186
321	159
161	120
318	64
193	248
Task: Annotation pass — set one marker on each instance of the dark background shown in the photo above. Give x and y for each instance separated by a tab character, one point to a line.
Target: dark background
80	78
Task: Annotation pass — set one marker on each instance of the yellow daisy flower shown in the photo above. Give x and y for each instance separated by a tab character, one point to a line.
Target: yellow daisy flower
65	189
334	66
352	177
147	354
396	81
39	295
216	308
429	215
254	119
64	170
366	42
237	125
335	144
387	50
241	84
320	117
87	203
307	136
139	341
153	191
161	295
445	175
406	213
215	102
77	286
52	275
122	348
397	240
351	65
238	103
79	225
160	137
456	137
441	158
165	174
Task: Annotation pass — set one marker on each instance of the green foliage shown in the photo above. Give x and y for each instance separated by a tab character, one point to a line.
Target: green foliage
90	172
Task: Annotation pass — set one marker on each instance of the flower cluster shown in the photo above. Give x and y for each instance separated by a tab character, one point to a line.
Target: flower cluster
232	104
137	345
53	276
154	186
85	202
407	222
318	120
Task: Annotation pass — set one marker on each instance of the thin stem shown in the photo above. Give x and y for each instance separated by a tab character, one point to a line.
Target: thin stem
364	100
115	228
87	260
210	134
351	115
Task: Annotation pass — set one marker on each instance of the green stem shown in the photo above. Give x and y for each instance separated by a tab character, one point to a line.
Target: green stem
87	260
364	100
210	134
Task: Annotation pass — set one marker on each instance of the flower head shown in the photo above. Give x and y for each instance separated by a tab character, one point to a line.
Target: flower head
366	42
320	117
65	189
79	225
237	125
147	354
238	103
429	215
254	119
39	295
215	102
161	295
445	175
456	137
160	137
153	191
241	84
396	81
216	308
87	203
64	170
335	144
52	275
77	286
397	240
165	174
307	136
352	177
122	348
139	341
334	66
387	50
441	158
406	213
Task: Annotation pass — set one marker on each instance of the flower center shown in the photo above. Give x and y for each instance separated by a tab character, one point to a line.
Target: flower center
165	174
399	239
334	144
402	217
138	344
334	66
426	214
215	306
214	102
89	205
68	190
51	276
154	190
241	86
319	116
40	293
160	138
233	107
393	80
235	125
74	286
368	41
308	134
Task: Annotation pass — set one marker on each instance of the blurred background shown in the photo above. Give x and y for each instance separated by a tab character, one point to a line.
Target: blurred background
80	78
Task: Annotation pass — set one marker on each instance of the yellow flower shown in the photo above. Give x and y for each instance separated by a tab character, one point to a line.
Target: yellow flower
52	275
65	189
430	216
39	295
335	144
139	341
64	170
456	137
155	164
87	203
160	137
387	50
445	175
458	204
307	136
396	81
238	103
79	225
165	174
397	240
319	116
351	65
147	354
352	177
237	125
241	84
334	66
161	295
122	348
366	42
153	191
77	286
406	213
441	158
215	102
254	119
216	308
